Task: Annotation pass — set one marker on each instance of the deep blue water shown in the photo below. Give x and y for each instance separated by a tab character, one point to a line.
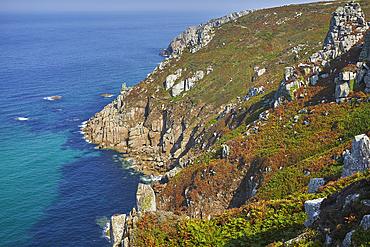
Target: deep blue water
55	188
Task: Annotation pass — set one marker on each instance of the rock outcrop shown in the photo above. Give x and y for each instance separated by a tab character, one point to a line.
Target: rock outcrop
198	37
117	226
145	199
344	85
347	28
358	160
187	84
170	80
314	184
312	208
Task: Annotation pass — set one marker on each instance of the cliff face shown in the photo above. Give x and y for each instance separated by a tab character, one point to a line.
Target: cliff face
154	134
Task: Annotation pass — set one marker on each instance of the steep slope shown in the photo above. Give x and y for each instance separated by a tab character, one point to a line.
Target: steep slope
242	126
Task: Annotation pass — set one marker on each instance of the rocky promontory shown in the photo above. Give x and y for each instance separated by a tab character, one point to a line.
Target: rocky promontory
258	135
198	37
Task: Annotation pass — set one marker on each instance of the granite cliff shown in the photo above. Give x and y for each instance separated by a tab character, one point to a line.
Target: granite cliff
261	137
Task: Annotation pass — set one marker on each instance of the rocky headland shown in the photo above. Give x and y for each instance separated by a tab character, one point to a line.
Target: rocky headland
269	150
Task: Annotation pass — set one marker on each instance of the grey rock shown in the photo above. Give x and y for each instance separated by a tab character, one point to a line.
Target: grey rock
254	91
226	111
312	208
145	199
342	90
170	80
313	80
359	158
347	240
117	227
314	184
260	72
187	84
365	222
289	72
278	102
328	239
225	151
264	115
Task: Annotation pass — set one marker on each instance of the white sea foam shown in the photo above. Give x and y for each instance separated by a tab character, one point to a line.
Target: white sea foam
22	118
83	124
151	178
105	231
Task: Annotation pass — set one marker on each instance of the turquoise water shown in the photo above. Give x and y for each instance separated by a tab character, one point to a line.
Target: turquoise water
55	188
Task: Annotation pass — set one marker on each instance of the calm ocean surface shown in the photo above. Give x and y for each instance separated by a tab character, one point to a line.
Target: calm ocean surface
55	188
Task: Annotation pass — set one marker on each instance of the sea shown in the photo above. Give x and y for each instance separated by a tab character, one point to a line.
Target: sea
56	189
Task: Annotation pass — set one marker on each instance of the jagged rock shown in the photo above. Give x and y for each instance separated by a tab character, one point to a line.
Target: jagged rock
198	37
170	80
344	84
313	79
289	72
365	222
254	91
287	89
347	240
314	184
187	84
341	25
358	160
117	226
226	111
312	208
145	198
225	151
264	115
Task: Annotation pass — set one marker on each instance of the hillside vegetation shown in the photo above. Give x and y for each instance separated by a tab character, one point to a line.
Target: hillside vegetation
236	168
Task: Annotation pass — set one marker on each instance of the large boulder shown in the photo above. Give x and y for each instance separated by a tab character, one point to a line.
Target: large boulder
187	84
145	199
314	184
117	227
365	222
170	80
358	160
312	208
